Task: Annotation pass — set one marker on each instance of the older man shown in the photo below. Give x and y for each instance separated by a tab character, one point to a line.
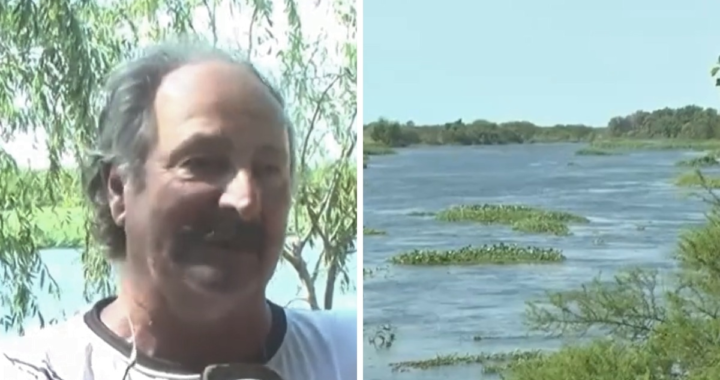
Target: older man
191	183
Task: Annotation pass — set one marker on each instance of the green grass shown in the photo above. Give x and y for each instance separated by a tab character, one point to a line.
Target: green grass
521	218
53	227
371	148
496	254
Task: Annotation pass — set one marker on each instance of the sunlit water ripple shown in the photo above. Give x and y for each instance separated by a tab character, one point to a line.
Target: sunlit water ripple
439	310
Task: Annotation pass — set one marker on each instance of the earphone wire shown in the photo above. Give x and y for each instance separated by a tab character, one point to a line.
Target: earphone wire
132	361
134	353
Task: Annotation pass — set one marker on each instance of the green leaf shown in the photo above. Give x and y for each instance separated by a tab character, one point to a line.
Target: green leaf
77	44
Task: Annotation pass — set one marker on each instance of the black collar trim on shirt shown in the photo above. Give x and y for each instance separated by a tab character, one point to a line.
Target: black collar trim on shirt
274	340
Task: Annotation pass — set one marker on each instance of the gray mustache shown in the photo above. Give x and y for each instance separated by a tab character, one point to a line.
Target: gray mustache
235	234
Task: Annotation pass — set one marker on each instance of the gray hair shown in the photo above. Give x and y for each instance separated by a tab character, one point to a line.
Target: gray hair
127	129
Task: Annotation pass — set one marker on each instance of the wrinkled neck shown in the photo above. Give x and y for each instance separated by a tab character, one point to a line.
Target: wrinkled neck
145	319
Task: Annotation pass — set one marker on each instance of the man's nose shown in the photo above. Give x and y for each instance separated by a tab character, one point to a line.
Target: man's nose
242	195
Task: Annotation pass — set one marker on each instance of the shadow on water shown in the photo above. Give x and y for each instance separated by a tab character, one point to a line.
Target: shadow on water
636	215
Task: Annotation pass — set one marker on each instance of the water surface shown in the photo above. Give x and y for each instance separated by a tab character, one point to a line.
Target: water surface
439	310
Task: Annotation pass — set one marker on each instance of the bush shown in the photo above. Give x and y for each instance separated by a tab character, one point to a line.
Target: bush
657	332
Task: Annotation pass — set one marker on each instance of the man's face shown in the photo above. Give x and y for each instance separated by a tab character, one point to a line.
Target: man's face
208	226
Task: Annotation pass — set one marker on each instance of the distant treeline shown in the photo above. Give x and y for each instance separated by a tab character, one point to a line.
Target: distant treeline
688	123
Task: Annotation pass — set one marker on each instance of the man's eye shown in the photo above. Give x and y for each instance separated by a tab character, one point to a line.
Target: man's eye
267	170
206	164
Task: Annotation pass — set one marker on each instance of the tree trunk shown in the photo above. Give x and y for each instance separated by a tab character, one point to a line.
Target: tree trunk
301	268
330	286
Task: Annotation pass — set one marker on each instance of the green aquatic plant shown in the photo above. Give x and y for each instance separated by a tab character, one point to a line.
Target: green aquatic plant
422	213
697	179
699	162
491	363
541	226
521	218
372	231
372	272
592	151
486	254
659	144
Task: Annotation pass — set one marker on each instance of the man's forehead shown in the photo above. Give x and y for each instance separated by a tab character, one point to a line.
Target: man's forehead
211	79
199	96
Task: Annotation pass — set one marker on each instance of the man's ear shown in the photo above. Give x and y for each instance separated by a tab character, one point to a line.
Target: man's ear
115	188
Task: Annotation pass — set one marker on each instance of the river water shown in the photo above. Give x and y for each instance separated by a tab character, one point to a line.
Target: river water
65	267
439	310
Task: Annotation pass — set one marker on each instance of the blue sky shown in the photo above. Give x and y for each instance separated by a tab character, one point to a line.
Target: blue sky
544	61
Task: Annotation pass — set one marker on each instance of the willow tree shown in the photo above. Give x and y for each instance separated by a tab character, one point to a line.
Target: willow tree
55	55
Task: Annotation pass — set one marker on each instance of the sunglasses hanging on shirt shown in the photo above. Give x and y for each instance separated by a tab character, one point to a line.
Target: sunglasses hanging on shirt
239	372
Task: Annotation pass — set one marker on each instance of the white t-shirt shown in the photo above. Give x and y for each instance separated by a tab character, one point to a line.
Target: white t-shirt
310	345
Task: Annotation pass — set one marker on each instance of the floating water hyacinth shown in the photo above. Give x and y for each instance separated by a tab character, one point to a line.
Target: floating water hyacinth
520	218
485	254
